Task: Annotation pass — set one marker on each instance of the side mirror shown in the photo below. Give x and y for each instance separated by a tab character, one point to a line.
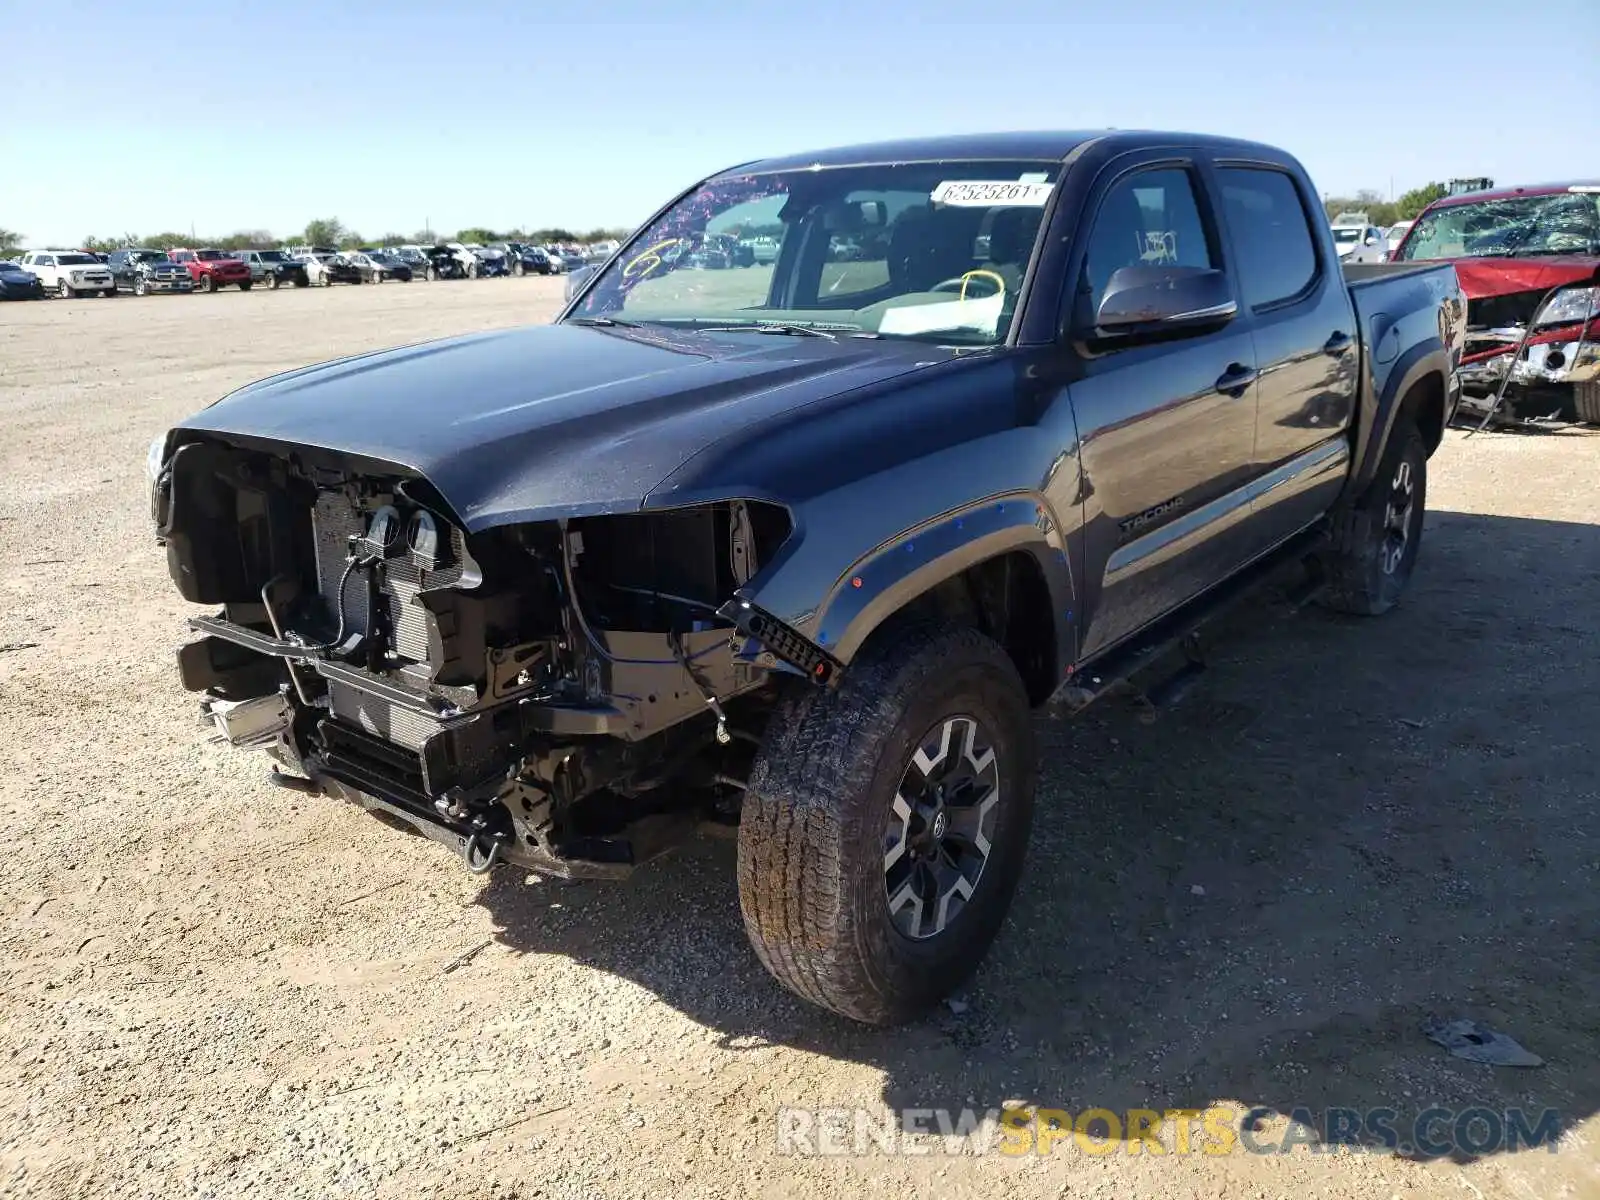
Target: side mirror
1152	299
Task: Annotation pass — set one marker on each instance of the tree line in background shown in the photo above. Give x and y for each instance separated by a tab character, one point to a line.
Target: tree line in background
329	231
1381	212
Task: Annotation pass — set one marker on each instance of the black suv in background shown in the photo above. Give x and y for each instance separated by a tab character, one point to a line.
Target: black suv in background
274	268
141	271
529	260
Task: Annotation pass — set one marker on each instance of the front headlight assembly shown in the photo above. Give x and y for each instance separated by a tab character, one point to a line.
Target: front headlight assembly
1570	306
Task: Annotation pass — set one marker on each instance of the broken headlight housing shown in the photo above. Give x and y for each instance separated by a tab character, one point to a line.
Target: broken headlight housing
1570	306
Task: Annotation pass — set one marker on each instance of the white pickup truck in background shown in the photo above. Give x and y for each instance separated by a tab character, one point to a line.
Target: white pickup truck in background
1358	240
70	273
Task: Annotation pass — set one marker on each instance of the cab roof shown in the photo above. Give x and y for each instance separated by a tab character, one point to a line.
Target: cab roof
1036	145
1508	193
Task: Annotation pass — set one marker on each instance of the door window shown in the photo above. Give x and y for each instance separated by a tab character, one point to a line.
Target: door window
1271	234
1150	218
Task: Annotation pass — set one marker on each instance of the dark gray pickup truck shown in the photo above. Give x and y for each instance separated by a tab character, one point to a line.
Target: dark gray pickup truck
792	550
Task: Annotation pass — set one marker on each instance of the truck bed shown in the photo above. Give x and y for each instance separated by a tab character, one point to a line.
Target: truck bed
1360	274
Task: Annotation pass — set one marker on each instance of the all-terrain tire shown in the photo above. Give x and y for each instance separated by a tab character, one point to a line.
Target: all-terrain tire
1586	402
815	833
1376	539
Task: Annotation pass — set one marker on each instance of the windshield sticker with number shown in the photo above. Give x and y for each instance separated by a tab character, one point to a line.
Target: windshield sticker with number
978	193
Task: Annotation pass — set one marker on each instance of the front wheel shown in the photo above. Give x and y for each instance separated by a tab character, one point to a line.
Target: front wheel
64	290
109	293
273	282
205	283
885	823
140	287
1376	540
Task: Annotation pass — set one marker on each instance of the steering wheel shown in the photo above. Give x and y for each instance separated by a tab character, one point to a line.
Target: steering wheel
646	262
961	282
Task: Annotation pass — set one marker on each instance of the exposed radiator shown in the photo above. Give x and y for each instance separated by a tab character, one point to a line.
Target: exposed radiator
380	718
335	522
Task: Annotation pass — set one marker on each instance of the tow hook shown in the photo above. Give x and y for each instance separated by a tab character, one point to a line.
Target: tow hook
481	852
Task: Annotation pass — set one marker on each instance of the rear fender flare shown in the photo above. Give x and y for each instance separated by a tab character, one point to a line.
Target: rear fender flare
1428	357
881	583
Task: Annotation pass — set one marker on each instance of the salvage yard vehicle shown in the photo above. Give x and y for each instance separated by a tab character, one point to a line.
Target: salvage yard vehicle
377	266
19	283
69	273
144	271
212	269
529	260
1361	243
442	263
1529	262
795	552
325	267
274	268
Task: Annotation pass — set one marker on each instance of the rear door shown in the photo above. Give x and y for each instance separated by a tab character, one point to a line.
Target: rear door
1294	302
1166	424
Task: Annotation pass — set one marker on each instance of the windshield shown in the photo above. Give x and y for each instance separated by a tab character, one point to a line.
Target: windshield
76	260
1347	235
148	256
8	265
212	255
1564	223
273	256
891	250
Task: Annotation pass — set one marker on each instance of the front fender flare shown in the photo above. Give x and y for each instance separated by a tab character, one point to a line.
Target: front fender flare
888	578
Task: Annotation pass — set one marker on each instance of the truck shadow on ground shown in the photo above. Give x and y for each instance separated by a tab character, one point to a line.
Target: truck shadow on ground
1347	826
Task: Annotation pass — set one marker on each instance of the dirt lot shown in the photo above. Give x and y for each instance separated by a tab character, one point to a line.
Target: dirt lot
209	987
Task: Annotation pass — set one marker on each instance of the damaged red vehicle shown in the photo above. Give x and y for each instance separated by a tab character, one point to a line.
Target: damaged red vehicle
1529	262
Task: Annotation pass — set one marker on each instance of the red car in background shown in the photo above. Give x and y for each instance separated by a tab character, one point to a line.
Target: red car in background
211	269
1529	262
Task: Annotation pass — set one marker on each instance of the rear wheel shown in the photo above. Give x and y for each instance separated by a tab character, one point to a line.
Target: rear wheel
885	824
109	293
1376	540
246	285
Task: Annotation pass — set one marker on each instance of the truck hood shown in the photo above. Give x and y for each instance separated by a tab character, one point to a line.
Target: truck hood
552	420
1482	278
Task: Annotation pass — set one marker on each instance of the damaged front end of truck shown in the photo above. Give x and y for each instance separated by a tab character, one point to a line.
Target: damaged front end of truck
569	695
1531	356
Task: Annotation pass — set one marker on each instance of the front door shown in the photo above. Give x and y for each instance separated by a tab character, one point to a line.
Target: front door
1166	426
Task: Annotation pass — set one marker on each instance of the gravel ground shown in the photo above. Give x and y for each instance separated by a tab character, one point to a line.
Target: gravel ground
212	988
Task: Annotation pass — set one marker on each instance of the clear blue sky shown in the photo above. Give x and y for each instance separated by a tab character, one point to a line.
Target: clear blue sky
263	115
